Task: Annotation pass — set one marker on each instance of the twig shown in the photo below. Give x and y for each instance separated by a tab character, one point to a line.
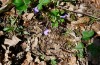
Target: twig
6	7
64	8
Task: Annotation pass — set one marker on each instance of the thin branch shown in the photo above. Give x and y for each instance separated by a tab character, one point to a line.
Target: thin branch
79	12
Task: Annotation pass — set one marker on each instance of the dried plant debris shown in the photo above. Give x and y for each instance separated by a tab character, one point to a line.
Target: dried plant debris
50	32
96	27
12	42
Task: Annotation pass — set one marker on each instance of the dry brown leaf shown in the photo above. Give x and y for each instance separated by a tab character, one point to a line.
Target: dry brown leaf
35	43
42	63
96	27
72	61
24	45
25	62
37	60
28	57
0	63
30	15
81	20
12	42
97	3
4	2
6	56
27	16
1	33
71	7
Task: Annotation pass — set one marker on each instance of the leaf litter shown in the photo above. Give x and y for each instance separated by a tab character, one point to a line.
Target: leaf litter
56	45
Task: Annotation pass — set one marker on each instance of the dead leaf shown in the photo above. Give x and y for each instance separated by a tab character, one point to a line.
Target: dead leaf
1	33
28	57
30	15
72	61
0	63
25	62
12	42
4	2
37	60
27	16
32	63
42	63
24	45
81	20
96	27
6	56
97	3
35	43
71	7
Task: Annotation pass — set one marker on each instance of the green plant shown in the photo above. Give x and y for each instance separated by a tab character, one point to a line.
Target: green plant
86	35
80	49
55	17
13	27
92	20
53	62
43	3
21	5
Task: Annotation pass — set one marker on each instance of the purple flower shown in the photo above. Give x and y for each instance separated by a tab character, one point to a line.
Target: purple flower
35	10
46	32
64	16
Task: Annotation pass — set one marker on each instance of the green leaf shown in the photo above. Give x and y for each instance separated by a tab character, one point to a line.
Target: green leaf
55	12
18	3
40	1
27	1
80	50
23	8
80	53
62	20
45	2
53	62
8	29
87	34
79	46
55	24
39	6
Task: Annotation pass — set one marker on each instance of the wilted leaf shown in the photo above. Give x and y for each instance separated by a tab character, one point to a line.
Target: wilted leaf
13	41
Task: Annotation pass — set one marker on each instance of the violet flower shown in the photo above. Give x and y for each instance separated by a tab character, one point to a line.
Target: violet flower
64	16
35	10
46	32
